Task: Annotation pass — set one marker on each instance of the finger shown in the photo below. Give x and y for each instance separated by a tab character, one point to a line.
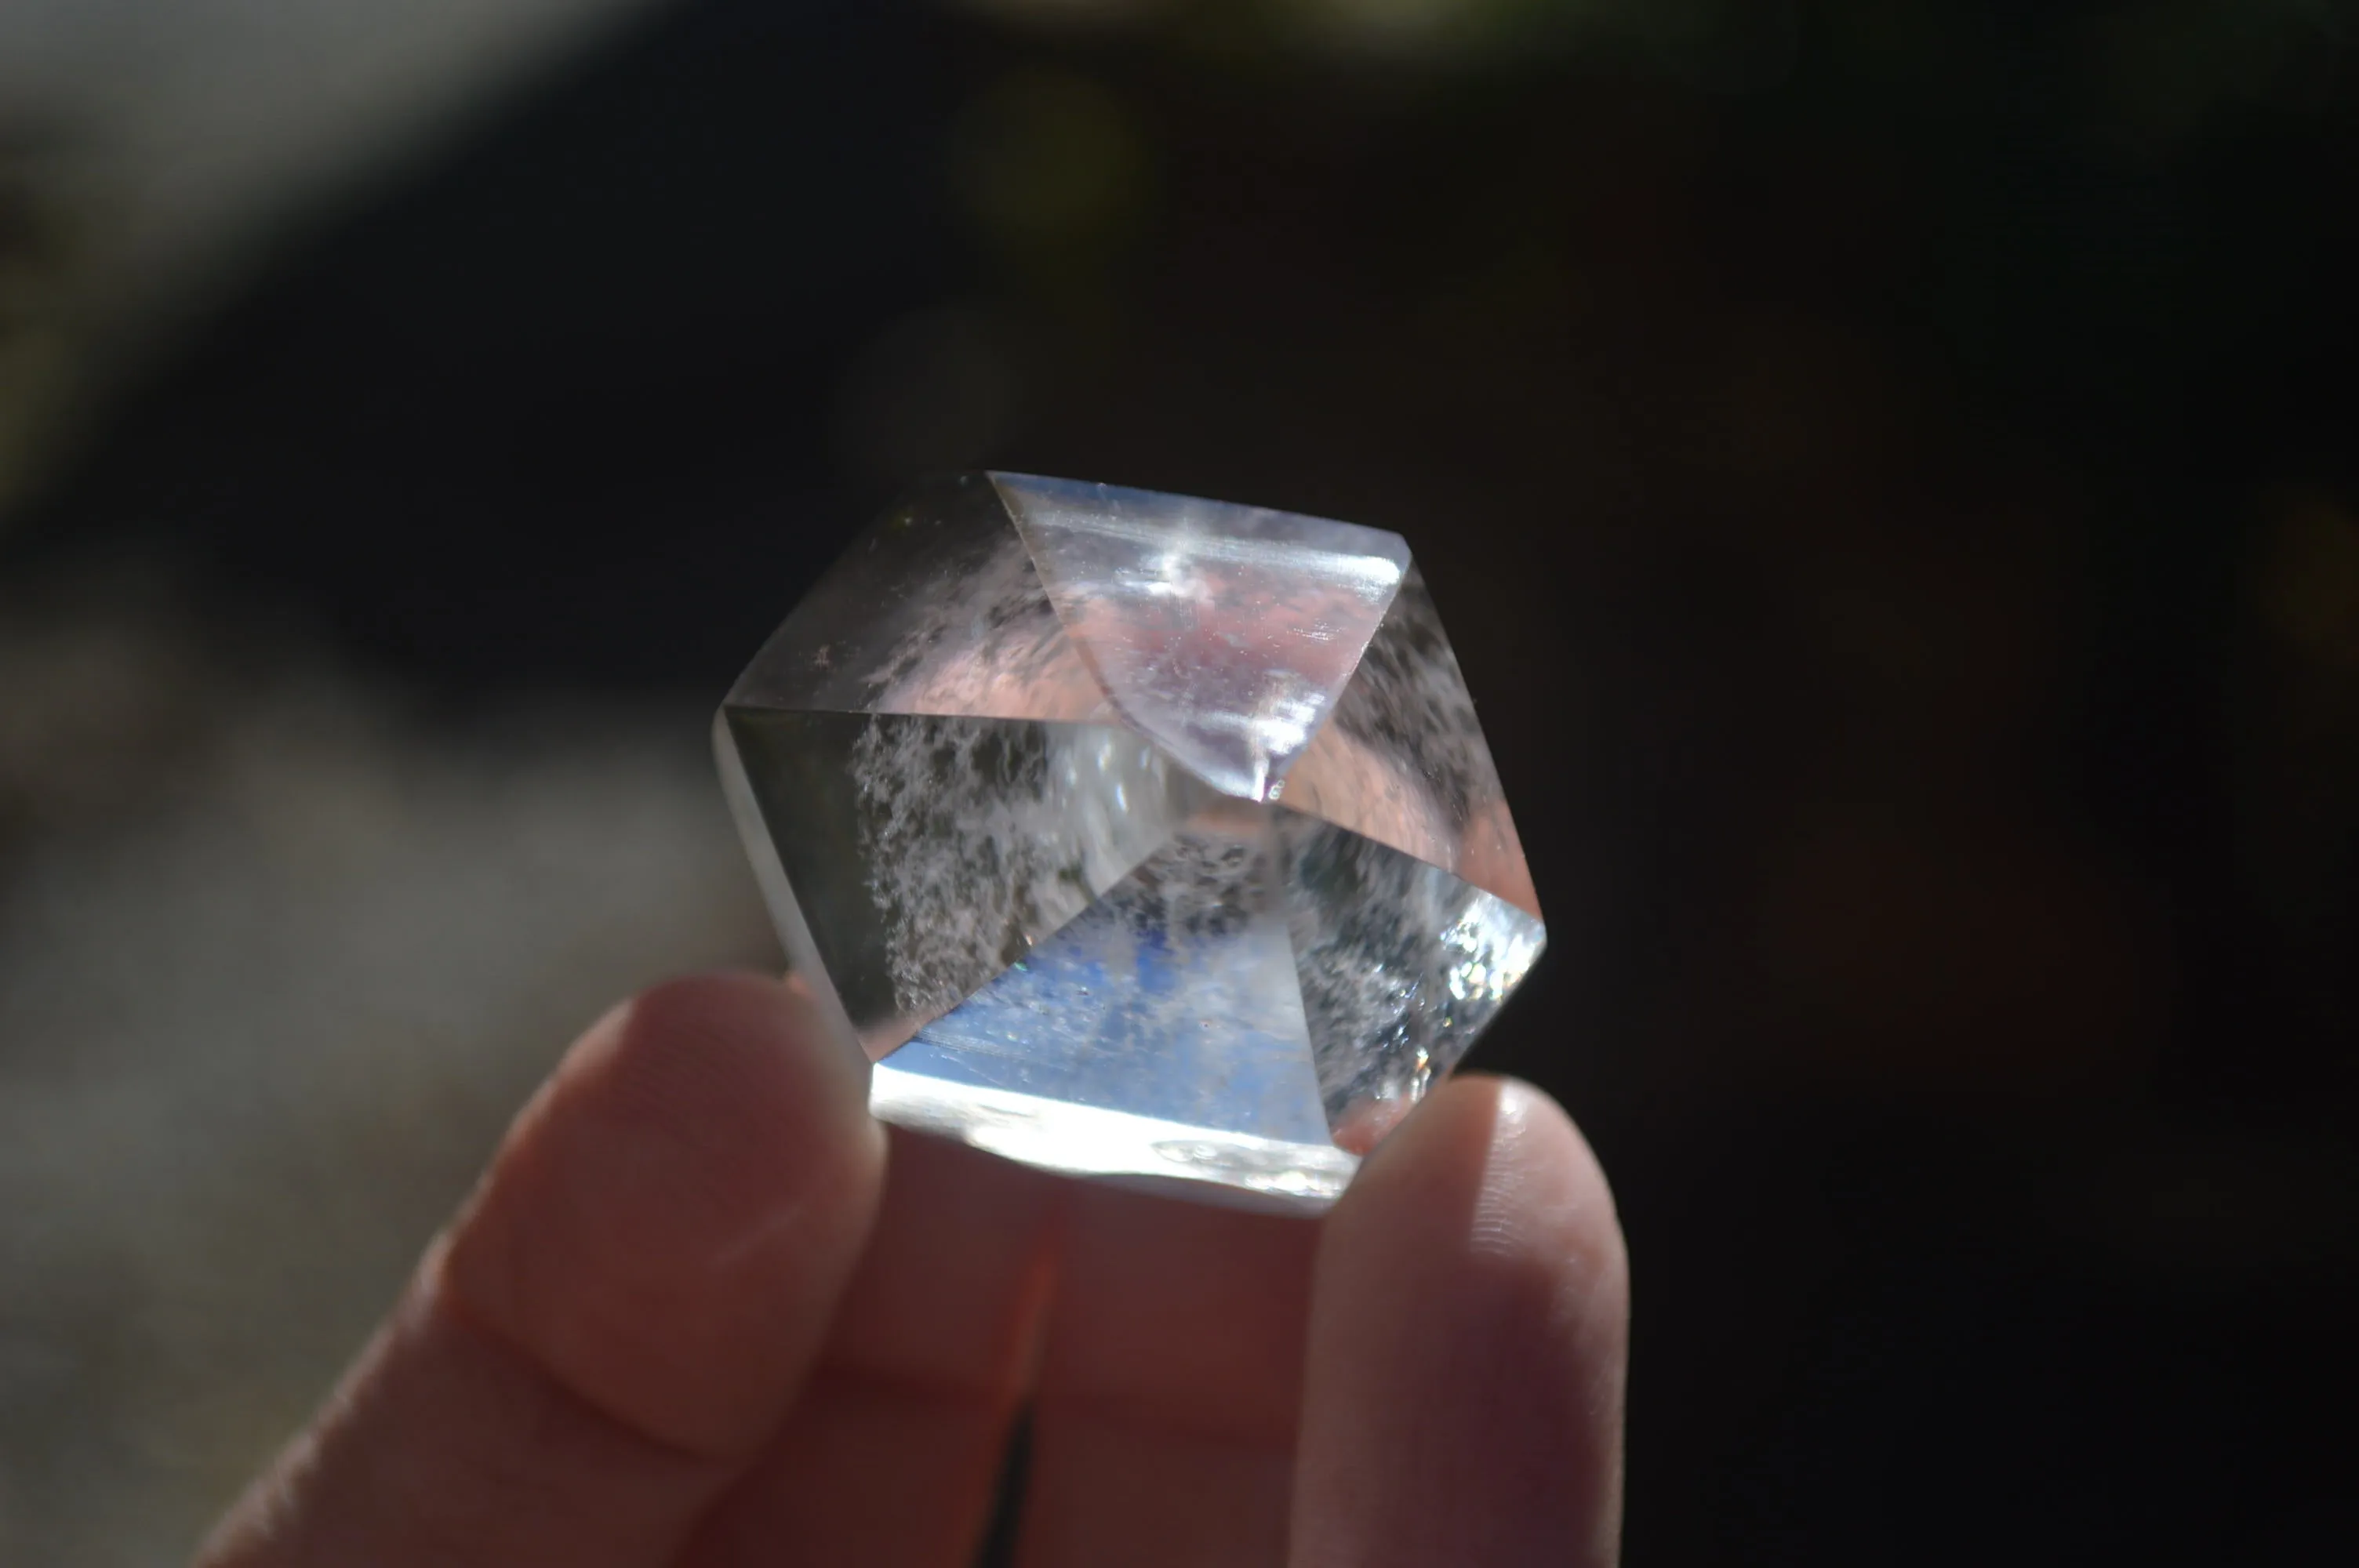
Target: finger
1164	1421
892	1456
617	1318
1463	1399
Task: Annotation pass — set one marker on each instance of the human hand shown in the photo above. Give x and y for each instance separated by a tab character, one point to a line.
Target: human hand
696	1316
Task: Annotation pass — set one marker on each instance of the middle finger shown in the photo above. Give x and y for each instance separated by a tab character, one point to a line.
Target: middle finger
1170	1381
891	1457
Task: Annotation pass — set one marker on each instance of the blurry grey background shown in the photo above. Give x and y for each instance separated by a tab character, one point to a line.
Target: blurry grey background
1888	466
282	947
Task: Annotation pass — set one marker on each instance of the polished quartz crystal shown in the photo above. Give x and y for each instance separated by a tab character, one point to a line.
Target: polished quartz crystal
1131	835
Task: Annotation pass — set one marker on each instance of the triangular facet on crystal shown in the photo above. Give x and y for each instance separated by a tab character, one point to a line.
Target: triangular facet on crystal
1174	997
929	853
1401	964
937	609
1226	632
1402	760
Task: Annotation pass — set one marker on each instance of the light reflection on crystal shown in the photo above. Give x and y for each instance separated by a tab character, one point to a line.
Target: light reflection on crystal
1084	1141
1226	632
1174	996
1011	778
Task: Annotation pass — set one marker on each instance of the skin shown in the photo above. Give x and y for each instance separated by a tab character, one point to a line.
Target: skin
702	1310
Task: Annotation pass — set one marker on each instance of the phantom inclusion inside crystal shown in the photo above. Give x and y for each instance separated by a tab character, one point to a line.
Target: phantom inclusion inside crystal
1131	835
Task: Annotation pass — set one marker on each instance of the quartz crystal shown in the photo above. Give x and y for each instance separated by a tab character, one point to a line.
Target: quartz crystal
1131	835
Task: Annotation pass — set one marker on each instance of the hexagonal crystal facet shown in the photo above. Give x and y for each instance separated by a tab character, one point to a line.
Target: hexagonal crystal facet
1131	835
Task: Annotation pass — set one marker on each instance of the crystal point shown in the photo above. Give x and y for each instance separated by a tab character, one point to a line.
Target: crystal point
1131	835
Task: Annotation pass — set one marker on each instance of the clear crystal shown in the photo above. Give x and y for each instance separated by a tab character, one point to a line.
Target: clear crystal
1131	835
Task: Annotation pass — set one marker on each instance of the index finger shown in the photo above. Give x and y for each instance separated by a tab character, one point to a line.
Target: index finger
616	1320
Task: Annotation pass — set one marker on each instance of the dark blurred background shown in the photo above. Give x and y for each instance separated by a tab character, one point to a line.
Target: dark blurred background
1890	467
